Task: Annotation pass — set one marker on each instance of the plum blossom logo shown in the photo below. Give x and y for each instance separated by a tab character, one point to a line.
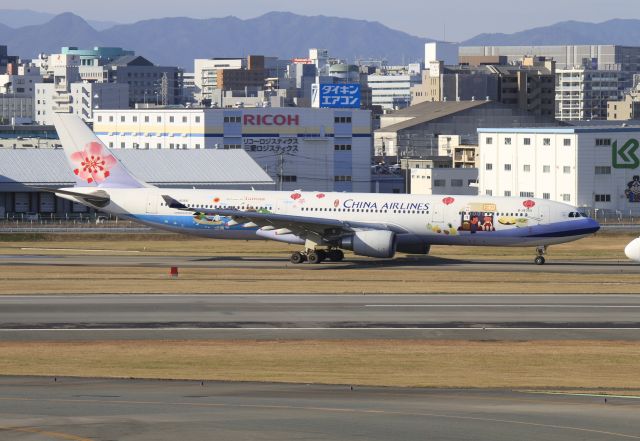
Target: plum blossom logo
93	163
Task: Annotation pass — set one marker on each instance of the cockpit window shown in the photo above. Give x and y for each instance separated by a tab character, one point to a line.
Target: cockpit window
571	214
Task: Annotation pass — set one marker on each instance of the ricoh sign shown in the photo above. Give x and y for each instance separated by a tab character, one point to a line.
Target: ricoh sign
271	120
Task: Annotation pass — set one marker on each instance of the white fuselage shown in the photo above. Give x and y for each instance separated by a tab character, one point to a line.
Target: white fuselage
450	220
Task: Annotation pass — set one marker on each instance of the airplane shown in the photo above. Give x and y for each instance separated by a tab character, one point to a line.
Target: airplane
632	250
323	223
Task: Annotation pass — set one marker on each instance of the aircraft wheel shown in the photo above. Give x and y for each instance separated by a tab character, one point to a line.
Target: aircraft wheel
314	258
539	260
336	255
297	257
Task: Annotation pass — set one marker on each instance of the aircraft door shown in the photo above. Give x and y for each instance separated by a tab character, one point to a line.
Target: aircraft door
152	203
543	215
437	213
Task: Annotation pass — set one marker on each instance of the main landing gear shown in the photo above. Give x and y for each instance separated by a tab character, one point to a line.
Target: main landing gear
316	256
541	251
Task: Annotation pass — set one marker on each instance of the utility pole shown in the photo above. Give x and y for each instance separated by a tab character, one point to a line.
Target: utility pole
280	170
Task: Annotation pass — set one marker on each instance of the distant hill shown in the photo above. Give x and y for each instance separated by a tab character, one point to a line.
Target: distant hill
624	32
17	18
177	41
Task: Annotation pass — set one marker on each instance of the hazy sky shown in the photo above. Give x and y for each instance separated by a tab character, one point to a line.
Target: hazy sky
461	18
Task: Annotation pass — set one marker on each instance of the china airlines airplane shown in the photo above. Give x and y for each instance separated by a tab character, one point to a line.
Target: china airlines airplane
323	223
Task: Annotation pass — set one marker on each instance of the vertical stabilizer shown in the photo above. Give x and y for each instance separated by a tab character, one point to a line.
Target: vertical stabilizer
91	161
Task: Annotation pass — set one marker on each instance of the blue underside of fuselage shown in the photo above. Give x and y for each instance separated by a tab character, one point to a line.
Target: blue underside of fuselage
528	234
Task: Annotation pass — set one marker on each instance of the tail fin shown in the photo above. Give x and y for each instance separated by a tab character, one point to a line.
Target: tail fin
91	161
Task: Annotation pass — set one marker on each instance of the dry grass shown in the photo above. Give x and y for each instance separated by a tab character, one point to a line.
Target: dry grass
523	365
124	280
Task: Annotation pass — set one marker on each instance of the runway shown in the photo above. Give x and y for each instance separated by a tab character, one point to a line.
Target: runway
33	408
469	317
107	258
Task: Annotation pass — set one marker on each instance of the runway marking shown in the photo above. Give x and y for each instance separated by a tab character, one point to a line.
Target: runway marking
426	328
76	249
512	305
577	394
326	409
56	435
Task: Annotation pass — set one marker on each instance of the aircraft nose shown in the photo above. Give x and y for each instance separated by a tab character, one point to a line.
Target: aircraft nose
592	225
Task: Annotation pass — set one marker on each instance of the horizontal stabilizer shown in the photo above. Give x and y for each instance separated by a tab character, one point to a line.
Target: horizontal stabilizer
98	198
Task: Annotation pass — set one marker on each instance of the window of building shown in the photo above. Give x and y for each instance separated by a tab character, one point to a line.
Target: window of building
439	183
184	119
289	178
526	168
99	118
122	145
603	141
135	119
197	146
488	140
603	198
146	119
158	146
110	145
342	120
603	170
122	118
566	169
171	119
342	147
566	142
197	119
507	141
111	119
507	167
546	169
159	119
342	178
456	182
488	166
526	194
232	146
566	197
489	192
546	195
146	145
546	141
527	141
507	193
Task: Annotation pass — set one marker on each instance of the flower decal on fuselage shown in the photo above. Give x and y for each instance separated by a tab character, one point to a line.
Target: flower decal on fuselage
93	163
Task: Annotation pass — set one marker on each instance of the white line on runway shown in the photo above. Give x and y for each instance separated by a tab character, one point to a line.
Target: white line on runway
511	305
321	329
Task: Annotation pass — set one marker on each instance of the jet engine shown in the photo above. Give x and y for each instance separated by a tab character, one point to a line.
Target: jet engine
371	243
632	250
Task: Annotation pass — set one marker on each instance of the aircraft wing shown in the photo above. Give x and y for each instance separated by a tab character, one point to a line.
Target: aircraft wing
298	225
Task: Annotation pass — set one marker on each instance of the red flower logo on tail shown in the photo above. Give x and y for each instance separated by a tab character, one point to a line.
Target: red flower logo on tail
93	163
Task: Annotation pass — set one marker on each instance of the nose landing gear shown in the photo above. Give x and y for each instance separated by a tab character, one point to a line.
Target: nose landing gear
541	251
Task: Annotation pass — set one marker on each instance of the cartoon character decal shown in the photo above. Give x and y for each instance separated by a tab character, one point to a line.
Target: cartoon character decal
475	221
487	222
632	192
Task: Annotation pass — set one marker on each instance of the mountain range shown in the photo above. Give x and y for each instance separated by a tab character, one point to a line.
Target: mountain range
178	40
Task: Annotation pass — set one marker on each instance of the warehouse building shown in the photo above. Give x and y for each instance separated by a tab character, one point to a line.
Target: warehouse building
593	167
23	169
300	148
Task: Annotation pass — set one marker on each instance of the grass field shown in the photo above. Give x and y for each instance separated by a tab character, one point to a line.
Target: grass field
517	365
